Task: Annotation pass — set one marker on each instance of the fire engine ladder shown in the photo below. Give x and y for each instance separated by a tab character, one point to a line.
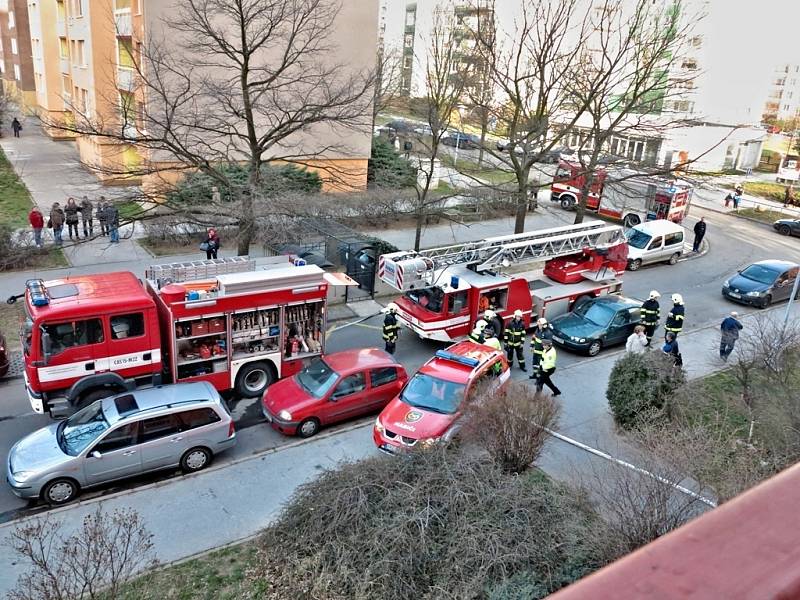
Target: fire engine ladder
408	270
197	270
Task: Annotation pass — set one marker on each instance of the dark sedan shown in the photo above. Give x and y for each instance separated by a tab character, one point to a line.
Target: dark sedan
462	140
597	323
787	226
761	283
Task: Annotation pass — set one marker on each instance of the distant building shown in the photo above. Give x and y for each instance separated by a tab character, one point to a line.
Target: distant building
783	99
16	59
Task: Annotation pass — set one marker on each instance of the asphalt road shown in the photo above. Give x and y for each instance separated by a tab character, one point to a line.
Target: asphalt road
734	243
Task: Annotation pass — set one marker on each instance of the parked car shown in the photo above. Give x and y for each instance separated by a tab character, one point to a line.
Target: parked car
333	388
428	409
597	323
461	139
761	283
654	241
402	126
309	255
787	226
3	356
163	427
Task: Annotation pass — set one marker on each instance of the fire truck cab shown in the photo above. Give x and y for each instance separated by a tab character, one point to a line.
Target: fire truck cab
224	321
622	193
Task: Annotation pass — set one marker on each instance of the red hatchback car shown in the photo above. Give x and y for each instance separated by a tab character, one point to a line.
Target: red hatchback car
428	408
333	388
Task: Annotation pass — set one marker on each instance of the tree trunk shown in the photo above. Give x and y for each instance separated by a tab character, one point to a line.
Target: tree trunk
484	127
247	219
420	218
521	198
580	207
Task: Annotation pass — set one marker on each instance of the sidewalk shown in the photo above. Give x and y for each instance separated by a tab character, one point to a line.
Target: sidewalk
189	515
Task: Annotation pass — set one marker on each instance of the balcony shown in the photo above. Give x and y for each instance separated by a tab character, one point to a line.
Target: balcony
123	23
126	79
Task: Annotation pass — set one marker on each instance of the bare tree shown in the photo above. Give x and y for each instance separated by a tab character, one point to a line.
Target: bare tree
93	562
238	82
388	79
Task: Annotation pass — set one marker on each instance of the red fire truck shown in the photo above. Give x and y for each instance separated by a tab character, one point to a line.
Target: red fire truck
447	289
623	194
223	321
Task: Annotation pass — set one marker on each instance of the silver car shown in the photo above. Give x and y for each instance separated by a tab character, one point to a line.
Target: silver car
122	436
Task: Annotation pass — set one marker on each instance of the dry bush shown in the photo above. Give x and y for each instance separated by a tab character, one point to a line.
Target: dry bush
91	563
510	423
438	524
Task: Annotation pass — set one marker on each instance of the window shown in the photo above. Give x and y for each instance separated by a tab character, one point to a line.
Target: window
622	318
14	49
409	40
122	4
119	438
127	326
457	302
191	419
407	62
76	333
159	427
61	10
125	54
76	8
656	243
673	238
17	75
11	19
383	376
351	384
64	46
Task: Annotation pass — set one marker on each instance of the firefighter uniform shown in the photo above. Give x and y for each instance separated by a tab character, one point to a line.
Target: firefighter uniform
674	322
547	367
514	340
391	329
476	335
541	333
651	313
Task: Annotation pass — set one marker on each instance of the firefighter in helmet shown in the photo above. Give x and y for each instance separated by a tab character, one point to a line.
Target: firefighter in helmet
514	340
490	338
540	333
391	329
477	335
495	321
674	322
651	312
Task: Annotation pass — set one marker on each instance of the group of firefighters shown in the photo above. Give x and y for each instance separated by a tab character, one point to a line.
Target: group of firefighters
490	329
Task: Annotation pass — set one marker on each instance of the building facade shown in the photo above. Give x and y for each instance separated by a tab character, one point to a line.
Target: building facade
783	99
16	58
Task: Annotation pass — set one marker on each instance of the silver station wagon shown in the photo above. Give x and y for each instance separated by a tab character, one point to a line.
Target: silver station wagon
163	427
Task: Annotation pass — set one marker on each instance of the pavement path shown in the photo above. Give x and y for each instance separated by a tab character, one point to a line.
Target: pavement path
192	514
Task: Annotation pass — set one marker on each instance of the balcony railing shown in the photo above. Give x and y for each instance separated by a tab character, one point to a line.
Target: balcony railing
125	79
123	23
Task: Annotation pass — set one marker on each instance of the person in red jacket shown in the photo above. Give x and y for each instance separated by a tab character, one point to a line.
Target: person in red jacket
36	219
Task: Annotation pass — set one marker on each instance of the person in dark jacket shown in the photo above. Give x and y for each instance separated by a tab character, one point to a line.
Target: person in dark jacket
477	334
674	322
699	234
102	206
56	221
112	222
496	322
651	313
87	218
71	212
730	327
514	340
16	126
211	243
672	349
391	330
540	333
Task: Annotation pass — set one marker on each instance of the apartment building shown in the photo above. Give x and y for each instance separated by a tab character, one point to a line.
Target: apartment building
783	99
16	59
84	58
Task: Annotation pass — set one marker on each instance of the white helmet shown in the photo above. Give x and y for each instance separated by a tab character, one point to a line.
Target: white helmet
654	294
481	325
541	322
489	314
518	314
391	307
677	299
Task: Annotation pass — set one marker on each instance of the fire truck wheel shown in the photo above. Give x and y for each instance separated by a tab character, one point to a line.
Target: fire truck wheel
567	202
253	379
631	221
595	347
633	265
308	428
60	491
90	397
195	459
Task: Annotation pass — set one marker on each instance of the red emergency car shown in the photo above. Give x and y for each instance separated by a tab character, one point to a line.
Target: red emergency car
429	407
333	388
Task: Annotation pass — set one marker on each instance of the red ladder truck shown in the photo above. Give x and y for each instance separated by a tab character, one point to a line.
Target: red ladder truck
447	289
230	322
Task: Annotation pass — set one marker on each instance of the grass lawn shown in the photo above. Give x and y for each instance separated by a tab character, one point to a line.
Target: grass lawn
719	392
777	143
16	200
765	189
490	175
216	576
162	248
765	216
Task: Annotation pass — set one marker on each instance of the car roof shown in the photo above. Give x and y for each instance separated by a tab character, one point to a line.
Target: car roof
658	226
450	369
157	397
775	264
359	358
616	302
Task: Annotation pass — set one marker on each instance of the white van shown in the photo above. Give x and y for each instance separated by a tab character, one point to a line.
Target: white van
654	241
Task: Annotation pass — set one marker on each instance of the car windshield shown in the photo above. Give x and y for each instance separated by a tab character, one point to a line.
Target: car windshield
760	273
434	394
82	428
638	239
317	378
428	298
597	313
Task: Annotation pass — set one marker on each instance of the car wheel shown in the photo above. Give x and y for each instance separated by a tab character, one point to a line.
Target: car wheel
633	265
60	491
673	260
566	203
253	379
307	428
94	395
784	230
631	220
195	459
595	347
766	301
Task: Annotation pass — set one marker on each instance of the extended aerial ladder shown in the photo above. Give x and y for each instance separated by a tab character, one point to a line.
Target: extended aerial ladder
406	270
